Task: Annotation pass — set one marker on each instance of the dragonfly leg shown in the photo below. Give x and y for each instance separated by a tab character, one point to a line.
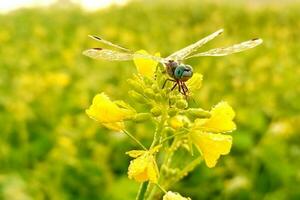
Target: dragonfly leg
168	79
179	87
185	87
174	86
170	103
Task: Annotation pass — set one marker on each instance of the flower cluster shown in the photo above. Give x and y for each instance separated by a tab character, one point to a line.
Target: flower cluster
178	126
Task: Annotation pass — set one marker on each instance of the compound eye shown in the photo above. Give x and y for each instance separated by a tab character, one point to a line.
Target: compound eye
178	72
189	67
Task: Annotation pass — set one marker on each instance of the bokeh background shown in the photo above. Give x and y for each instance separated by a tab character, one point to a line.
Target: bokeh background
50	149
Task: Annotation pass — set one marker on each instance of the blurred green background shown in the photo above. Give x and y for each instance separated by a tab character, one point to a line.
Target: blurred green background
50	149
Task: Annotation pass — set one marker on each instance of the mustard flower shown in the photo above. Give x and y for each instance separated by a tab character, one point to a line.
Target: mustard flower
110	114
145	67
143	167
206	133
174	196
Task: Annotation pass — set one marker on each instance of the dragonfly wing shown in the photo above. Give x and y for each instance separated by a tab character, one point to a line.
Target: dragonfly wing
99	39
231	49
107	54
151	57
181	54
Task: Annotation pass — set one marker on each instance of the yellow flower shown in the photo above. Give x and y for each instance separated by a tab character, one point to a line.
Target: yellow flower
145	67
212	146
203	134
143	167
195	82
174	196
220	121
110	114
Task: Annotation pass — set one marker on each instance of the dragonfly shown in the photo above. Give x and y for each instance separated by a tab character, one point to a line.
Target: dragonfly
177	71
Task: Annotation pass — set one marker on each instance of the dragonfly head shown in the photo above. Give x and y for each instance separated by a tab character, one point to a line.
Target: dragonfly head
183	72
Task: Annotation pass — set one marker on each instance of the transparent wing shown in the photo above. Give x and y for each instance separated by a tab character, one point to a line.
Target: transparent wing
231	49
112	55
99	39
181	54
107	54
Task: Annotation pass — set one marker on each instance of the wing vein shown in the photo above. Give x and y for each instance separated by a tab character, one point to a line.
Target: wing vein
182	53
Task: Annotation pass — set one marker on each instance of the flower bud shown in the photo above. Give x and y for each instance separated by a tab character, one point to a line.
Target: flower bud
172	112
156	111
176	122
198	113
181	104
148	81
164	95
154	88
168	131
149	93
141	117
158	98
135	85
137	97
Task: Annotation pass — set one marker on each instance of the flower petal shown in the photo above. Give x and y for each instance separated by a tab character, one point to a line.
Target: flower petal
138	169
148	169
143	168
212	146
115	126
152	170
220	121
108	113
145	67
135	153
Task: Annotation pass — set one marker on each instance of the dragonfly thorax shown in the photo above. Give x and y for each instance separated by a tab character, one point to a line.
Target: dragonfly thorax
179	71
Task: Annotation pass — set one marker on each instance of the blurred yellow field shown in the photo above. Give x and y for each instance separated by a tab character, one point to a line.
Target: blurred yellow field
51	149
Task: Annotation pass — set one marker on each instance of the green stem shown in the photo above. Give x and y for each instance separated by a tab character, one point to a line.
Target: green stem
190	167
158	130
136	140
144	185
161	188
171	137
165	163
170	153
157	135
142	191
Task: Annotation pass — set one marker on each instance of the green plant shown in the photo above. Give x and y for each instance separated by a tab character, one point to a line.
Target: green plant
178	127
